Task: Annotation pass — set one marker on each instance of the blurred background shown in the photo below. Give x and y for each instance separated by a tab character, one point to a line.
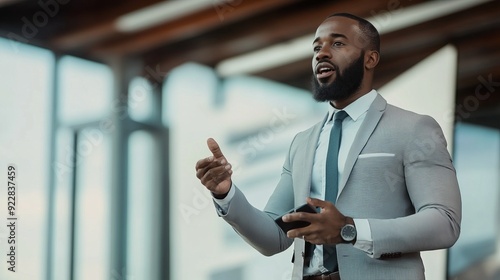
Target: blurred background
106	107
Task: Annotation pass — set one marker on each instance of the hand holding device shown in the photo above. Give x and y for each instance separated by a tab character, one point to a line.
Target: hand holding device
295	224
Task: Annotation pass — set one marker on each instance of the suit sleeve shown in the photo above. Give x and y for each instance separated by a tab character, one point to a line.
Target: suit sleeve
432	186
257	227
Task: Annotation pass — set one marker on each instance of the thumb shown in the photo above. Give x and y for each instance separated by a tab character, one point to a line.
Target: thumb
214	148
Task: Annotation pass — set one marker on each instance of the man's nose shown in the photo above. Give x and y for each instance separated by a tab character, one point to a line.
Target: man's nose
323	53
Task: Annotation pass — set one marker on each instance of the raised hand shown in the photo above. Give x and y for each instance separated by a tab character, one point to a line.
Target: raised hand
214	171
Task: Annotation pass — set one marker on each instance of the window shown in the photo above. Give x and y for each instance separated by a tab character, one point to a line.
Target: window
477	161
92	206
144	199
25	122
85	90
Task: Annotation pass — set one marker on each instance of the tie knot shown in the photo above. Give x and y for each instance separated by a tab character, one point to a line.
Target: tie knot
340	116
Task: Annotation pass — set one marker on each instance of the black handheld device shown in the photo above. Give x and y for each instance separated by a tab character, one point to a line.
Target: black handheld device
296	224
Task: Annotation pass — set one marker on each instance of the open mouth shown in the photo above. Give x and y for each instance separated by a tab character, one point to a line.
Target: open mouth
324	70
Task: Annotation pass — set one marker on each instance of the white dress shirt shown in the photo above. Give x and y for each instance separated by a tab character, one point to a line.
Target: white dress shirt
350	126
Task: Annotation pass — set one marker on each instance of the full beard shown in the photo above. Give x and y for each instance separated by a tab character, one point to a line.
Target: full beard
344	85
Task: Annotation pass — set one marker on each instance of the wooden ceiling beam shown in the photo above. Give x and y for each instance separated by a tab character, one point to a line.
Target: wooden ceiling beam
478	49
445	29
261	32
189	26
479	52
93	26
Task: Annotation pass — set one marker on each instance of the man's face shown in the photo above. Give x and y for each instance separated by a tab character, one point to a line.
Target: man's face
338	61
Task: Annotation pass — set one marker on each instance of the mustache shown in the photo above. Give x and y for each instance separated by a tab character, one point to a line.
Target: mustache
329	62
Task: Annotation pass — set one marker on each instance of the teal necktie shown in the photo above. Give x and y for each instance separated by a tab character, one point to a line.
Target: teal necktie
332	181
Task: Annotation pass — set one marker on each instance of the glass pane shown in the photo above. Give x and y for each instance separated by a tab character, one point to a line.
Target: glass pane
140	101
143	228
92	220
25	96
477	160
61	240
85	90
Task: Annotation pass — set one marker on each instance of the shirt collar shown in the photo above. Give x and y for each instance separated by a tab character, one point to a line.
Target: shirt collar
356	108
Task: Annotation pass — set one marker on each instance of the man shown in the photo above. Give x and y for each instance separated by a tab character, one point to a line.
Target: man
395	191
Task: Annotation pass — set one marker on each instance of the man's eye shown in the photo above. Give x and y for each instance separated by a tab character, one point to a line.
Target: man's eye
316	49
337	44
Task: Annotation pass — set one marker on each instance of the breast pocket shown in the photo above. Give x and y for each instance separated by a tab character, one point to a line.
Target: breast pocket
376	181
378	173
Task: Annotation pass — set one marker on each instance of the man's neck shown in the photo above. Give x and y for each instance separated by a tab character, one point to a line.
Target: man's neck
341	104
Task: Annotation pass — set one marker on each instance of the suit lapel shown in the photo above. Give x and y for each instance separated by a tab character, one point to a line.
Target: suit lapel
371	120
307	154
304	190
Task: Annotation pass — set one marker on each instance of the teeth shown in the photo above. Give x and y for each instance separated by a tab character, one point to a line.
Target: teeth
324	69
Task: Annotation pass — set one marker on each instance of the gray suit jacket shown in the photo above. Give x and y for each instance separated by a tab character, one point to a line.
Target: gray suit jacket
398	175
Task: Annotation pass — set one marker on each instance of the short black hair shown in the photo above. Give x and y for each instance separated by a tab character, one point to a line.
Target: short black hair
369	31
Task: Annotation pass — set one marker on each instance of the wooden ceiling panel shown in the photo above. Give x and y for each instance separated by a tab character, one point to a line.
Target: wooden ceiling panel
186	27
64	18
260	32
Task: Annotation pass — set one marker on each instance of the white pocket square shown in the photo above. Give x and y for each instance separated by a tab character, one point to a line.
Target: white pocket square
370	155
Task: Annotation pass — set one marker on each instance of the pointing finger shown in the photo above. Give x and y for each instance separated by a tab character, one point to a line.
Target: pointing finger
214	148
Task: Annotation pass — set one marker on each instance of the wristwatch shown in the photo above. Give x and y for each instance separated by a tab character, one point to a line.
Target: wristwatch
348	233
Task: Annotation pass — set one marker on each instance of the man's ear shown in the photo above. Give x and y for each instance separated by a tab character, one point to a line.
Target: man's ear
371	59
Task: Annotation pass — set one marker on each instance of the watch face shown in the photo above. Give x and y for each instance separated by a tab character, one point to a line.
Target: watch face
348	233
